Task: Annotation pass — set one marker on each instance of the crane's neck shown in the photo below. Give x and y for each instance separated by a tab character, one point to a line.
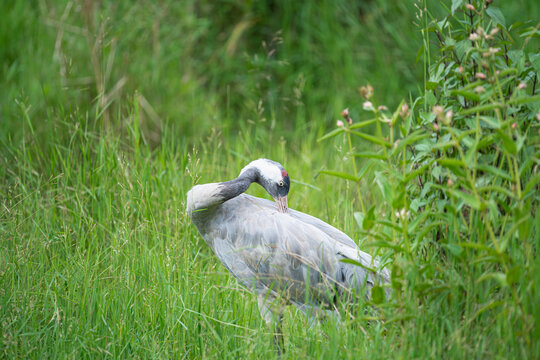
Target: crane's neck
233	188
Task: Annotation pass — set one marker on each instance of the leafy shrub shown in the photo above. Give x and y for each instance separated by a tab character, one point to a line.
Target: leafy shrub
458	173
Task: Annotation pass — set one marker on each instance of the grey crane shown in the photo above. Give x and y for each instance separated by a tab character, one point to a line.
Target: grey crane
283	255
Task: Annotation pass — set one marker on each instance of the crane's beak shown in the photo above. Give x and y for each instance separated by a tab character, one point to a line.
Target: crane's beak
281	202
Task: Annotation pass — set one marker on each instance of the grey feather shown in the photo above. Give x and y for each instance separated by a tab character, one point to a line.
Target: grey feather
291	256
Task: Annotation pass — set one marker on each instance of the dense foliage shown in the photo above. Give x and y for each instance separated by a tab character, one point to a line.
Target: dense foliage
458	172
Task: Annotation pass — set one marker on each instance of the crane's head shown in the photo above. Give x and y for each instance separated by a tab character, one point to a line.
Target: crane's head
273	177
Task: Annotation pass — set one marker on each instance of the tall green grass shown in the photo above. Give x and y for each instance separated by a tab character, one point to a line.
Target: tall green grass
111	111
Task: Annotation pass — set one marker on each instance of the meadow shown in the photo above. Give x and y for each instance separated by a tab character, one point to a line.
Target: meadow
110	111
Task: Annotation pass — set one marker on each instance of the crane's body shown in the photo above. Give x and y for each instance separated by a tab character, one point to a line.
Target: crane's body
284	256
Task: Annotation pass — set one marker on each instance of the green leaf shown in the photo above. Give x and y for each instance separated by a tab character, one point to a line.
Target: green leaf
417	172
370	155
420	52
377	294
454	249
496	15
339	174
524	99
384	186
371	138
469	95
456	4
369	219
508	142
499	276
469	199
356	263
331	134
456	166
535	61
492	304
363	123
478	246
480	108
359	217
495	171
491	121
430	85
412	138
531	184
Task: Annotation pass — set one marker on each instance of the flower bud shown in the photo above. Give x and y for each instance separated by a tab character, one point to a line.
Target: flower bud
438	110
474	36
382	108
514	125
368	106
339	123
448	117
404	110
366	92
481	76
479	89
521	86
469	7
345	113
450	182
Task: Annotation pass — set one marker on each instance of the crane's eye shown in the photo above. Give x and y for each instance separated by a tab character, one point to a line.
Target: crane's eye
280	182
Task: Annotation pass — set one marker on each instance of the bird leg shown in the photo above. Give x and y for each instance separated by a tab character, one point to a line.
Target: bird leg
271	312
278	339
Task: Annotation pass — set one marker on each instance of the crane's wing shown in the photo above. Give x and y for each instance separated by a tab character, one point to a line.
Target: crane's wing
266	249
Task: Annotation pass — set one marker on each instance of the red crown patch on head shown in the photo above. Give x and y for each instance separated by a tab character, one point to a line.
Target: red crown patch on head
284	173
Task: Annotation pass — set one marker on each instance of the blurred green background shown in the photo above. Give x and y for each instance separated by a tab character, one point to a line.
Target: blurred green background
111	110
198	65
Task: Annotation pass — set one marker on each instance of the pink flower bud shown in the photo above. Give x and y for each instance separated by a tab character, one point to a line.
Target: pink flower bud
449	115
481	76
450	182
522	86
345	113
514	125
339	123
368	106
366	91
474	37
438	110
436	126
469	7
382	107
404	110
461	69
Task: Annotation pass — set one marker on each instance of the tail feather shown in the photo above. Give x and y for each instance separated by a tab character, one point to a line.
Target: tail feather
363	274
